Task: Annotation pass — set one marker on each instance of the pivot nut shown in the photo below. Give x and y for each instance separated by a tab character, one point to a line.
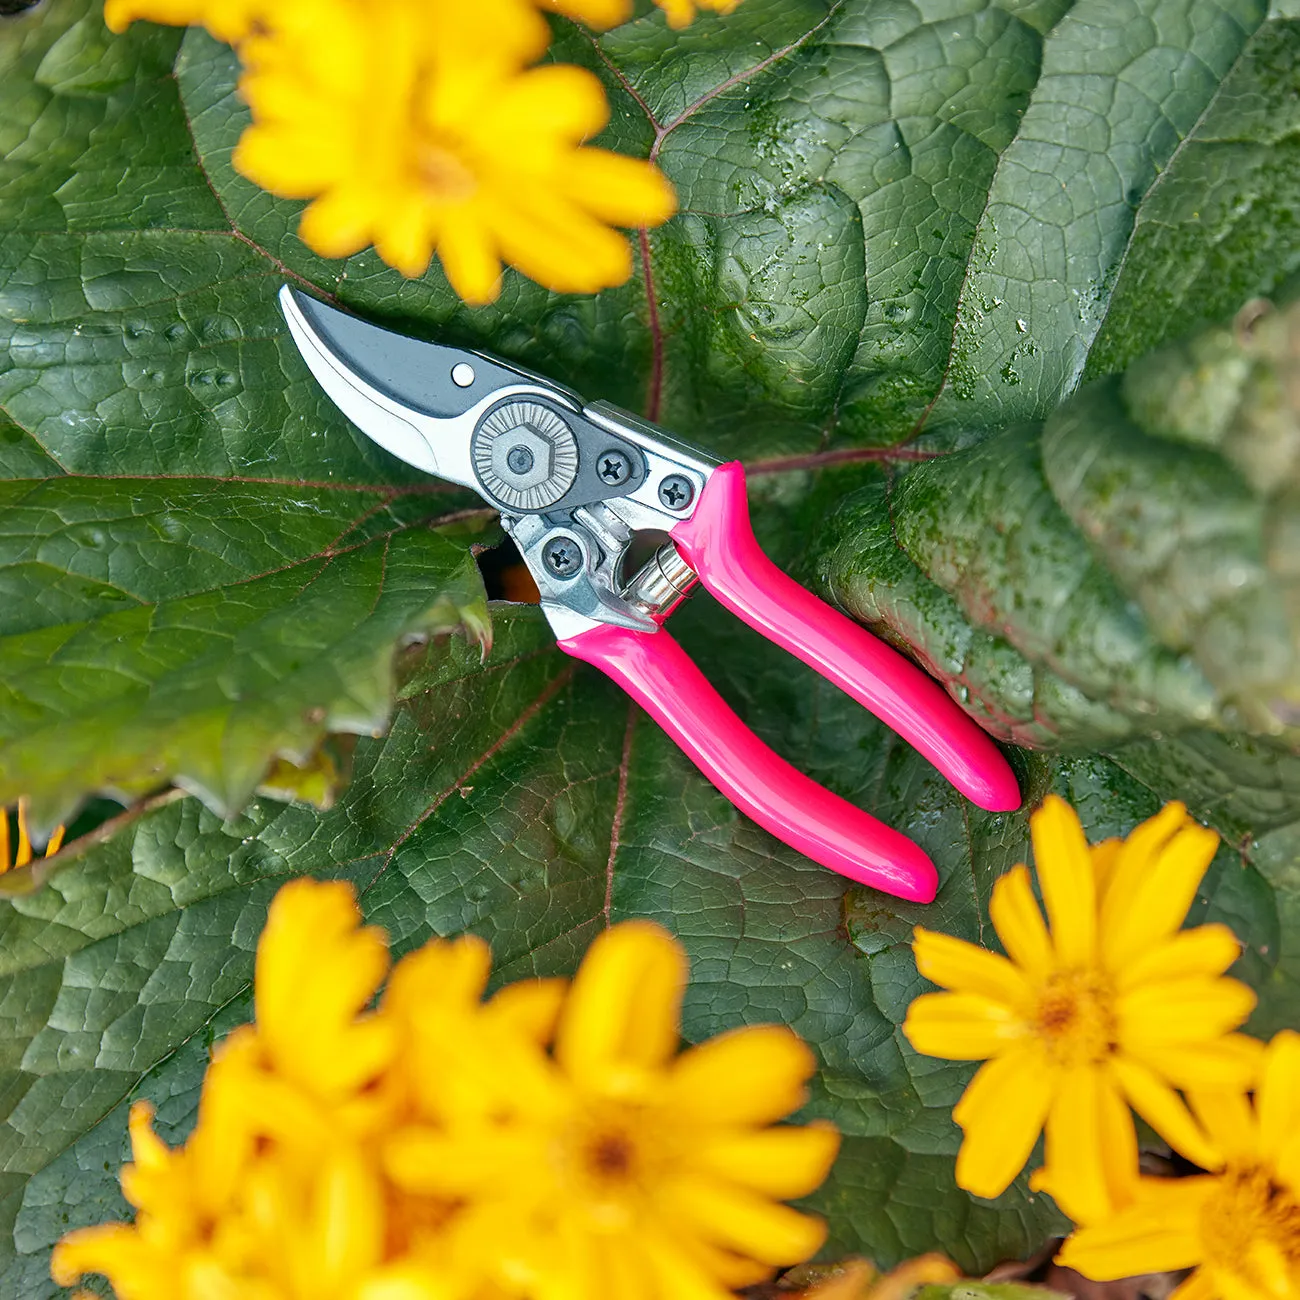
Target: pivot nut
525	455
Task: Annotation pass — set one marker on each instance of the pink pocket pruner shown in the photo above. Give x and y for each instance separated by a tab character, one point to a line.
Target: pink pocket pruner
575	484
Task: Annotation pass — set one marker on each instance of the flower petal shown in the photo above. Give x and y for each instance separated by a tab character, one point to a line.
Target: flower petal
600	14
624	1007
745	1221
1014	912
1181	1011
1160	1231
558	100
783	1162
312	1027
1146	906
622	191
1002	1113
1092	1155
1231	1062
963	966
1133	860
677	1273
961	1026
1227	1117
528	1007
468	254
1165	1111
1064	867
115	1250
1206	950
1105	854
748	1076
1278	1099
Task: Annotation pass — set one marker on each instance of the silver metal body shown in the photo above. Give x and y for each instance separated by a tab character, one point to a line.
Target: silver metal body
575	483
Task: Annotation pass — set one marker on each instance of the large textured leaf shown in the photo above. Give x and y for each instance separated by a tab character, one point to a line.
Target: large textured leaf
202	571
156	631
546	808
1126	568
1123	577
885	217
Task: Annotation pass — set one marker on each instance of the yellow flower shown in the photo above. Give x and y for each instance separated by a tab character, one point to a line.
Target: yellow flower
1239	1226
184	1242
539	1144
414	125
681	13
227	20
24	853
618	1167
1114	1007
603	14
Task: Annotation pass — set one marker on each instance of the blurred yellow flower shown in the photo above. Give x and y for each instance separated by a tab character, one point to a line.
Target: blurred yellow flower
546	1142
418	126
1238	1226
415	126
23	855
227	20
618	1167
602	14
1115	1006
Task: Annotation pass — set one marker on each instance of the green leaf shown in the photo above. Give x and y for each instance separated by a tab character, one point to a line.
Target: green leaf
1221	223
1125	568
157	633
1122	578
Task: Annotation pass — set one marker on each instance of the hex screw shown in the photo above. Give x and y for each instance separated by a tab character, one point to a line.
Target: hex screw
676	491
520	459
563	556
613	467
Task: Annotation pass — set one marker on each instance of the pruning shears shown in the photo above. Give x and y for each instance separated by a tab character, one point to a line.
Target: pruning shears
576	483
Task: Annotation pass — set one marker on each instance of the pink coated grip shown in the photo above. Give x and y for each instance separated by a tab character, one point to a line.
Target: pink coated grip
718	543
656	672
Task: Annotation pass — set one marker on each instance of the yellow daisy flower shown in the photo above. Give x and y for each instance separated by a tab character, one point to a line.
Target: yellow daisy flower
617	1167
24	852
415	126
1113	1006
1238	1226
539	1144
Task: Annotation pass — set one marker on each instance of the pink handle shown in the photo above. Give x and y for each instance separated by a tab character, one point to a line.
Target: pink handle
656	672
718	543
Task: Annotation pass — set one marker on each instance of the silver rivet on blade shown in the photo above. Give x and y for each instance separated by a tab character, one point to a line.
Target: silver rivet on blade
462	374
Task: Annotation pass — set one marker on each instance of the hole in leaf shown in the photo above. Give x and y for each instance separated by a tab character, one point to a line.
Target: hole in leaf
505	575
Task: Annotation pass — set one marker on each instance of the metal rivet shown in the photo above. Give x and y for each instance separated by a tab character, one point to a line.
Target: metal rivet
613	467
462	374
563	556
676	491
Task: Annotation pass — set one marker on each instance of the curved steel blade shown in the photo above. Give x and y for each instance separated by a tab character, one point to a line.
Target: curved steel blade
419	401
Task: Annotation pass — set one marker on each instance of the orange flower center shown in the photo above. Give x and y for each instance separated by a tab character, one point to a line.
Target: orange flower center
606	1164
1076	1017
1250	1227
443	170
